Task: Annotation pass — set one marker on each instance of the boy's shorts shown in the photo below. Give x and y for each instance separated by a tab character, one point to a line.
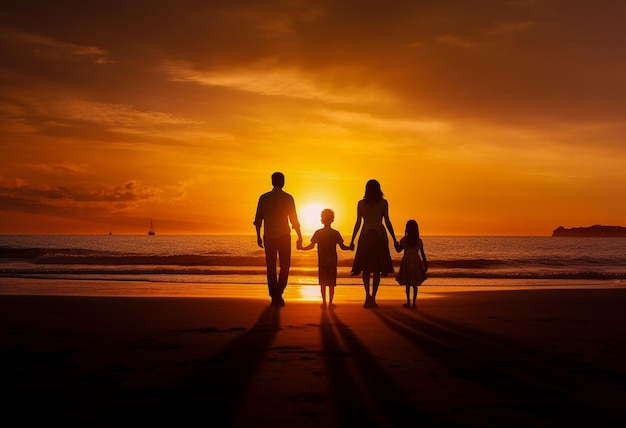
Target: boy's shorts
328	275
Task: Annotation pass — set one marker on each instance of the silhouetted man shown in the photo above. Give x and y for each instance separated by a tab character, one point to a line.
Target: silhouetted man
276	210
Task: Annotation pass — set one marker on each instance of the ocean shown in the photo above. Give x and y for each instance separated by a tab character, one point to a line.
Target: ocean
194	263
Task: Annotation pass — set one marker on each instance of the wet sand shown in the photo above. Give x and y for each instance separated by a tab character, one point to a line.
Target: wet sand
541	358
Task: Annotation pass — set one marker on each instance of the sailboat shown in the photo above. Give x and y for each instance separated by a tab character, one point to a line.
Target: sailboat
151	231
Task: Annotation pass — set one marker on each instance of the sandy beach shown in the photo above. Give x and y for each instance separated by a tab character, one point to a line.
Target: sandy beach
541	358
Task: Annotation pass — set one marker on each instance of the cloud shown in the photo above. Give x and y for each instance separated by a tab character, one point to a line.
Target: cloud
61	168
53	49
18	195
113	115
380	123
276	81
454	40
511	27
44	110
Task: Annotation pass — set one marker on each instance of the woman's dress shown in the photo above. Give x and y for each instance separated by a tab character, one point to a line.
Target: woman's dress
372	252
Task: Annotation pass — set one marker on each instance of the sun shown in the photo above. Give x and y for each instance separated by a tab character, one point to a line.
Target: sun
310	217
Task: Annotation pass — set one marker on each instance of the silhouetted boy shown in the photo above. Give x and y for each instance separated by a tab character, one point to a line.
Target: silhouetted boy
327	240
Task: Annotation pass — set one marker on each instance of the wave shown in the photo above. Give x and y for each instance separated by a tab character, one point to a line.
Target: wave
72	256
43	256
64	262
573	275
182	272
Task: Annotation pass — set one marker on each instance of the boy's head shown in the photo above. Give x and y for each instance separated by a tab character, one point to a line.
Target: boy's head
328	216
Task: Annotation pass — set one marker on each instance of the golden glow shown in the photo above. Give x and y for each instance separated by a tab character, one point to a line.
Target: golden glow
309	292
310	217
189	137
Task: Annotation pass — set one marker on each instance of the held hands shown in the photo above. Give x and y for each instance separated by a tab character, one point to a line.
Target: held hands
299	244
351	246
397	246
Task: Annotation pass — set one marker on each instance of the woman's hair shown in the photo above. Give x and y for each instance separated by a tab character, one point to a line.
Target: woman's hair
373	193
412	233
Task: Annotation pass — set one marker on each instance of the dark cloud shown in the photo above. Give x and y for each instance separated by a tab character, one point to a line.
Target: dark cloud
510	61
17	195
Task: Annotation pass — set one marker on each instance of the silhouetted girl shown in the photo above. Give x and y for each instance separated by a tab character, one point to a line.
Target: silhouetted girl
413	268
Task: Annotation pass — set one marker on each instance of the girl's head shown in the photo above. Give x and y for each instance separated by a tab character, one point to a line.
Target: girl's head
412	232
373	193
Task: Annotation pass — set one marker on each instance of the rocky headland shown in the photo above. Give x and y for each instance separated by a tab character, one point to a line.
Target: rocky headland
591	231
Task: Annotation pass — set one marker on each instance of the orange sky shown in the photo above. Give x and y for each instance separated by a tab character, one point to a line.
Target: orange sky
477	118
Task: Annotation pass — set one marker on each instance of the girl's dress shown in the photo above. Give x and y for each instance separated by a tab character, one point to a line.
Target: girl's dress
372	252
411	270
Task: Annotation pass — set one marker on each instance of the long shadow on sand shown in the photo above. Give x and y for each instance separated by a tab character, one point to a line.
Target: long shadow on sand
362	393
212	395
531	384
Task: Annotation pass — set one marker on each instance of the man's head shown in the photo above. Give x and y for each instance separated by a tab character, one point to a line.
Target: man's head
278	179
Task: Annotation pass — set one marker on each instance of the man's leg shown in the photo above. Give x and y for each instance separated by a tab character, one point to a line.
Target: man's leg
270	262
284	256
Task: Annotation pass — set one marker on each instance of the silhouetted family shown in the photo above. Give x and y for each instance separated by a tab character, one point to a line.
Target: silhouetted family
276	213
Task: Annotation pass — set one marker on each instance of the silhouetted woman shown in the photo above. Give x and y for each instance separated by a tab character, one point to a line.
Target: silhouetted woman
372	255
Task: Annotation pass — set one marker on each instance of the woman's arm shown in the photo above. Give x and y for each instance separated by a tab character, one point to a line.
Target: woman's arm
399	246
357	225
388	223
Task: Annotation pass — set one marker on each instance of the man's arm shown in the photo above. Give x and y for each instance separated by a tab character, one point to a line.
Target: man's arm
259	240
295	224
299	241
258	220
